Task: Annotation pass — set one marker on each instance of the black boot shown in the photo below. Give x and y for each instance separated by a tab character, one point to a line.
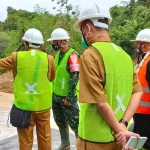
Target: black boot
76	133
65	143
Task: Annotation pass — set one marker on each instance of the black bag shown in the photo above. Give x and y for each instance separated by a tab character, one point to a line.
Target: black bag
19	118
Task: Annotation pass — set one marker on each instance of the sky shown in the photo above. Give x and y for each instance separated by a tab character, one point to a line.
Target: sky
46	4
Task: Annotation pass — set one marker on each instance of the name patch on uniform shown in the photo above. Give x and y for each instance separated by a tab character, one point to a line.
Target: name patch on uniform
74	62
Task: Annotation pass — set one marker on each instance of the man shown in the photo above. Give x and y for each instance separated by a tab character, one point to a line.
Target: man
109	88
65	107
33	70
142	115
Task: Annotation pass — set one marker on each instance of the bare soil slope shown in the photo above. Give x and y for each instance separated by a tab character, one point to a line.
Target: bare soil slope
6	82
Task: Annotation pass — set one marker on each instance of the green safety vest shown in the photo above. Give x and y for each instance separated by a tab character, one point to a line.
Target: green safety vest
118	88
32	88
62	80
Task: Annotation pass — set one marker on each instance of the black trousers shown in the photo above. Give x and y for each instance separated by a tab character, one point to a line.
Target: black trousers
142	127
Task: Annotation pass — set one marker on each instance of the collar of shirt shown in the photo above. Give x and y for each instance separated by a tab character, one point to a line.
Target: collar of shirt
104	39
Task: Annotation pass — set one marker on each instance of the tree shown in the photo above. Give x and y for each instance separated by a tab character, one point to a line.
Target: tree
145	3
3	43
127	22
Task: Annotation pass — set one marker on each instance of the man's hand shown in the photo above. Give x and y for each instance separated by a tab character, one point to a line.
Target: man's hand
128	148
66	102
120	138
123	137
128	134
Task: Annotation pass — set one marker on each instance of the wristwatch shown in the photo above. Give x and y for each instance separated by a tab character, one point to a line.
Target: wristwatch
124	121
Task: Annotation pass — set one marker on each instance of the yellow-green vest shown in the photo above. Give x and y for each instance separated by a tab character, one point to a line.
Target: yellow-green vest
32	88
118	88
62	80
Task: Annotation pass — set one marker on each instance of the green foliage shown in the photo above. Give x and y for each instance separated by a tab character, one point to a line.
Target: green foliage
15	18
14	41
3	43
144	2
128	20
1	26
19	21
63	7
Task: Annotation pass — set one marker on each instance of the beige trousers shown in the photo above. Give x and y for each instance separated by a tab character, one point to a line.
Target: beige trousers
26	137
85	145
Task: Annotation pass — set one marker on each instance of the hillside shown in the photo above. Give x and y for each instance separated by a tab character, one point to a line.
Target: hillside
6	82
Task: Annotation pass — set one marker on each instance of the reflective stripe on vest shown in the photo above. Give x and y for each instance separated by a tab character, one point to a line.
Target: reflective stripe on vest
146	104
144	89
120	105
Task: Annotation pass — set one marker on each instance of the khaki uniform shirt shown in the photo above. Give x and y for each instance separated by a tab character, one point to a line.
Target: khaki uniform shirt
92	77
10	63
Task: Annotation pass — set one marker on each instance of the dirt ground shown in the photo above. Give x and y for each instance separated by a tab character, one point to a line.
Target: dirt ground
6	91
6	97
6	82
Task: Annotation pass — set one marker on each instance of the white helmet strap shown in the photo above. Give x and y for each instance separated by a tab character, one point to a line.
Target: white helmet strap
99	24
34	46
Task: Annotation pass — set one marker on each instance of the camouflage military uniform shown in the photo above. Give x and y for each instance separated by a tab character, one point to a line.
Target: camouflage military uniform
64	115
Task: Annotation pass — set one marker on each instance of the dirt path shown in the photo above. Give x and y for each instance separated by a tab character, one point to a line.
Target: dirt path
5	106
6	82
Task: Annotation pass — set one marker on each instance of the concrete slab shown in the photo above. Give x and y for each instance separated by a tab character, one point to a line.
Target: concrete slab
12	142
8	133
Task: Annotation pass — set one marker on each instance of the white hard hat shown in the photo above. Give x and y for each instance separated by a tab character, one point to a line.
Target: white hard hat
59	34
34	36
93	12
143	36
